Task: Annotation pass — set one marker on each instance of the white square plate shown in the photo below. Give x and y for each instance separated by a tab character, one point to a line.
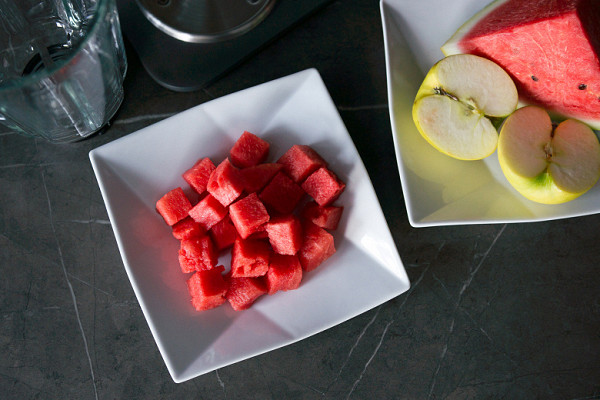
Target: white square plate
135	171
439	190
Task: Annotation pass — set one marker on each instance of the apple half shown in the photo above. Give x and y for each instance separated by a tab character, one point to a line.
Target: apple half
455	105
545	162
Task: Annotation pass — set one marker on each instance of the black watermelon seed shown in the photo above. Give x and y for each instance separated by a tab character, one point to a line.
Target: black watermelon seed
583	86
535	78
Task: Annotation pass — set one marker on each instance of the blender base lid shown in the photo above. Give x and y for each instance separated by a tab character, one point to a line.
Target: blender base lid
205	21
184	66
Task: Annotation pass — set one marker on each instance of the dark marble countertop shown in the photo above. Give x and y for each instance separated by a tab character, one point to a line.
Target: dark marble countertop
506	311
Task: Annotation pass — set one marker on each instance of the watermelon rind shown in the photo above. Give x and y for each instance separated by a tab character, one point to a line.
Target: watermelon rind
451	45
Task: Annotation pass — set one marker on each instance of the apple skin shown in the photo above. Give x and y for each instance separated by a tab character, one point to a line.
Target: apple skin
459	102
548	163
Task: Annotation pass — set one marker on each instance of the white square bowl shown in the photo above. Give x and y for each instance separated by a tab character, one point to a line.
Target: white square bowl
440	190
135	171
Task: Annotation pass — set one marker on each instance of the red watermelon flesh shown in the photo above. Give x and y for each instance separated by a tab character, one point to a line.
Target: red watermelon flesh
285	273
282	194
323	186
551	49
256	177
187	228
260	233
317	247
197	254
236	213
223	233
208	212
300	161
225	183
250	258
208	288
243	292
327	217
173	206
285	234
248	150
248	215
197	176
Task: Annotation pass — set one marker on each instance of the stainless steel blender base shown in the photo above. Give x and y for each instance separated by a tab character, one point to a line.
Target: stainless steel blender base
205	21
185	66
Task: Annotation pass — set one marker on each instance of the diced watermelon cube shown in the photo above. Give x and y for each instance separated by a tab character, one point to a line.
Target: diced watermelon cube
323	186
248	215
187	228
208	212
197	176
173	206
282	194
285	234
248	150
208	288
243	292
260	233
223	233
327	217
256	177
250	258
317	246
197	254
285	273
300	161
225	183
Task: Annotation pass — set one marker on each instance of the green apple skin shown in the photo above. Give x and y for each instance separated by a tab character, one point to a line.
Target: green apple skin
545	162
458	103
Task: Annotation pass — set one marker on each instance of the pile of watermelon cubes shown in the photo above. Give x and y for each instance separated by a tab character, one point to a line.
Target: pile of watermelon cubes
276	219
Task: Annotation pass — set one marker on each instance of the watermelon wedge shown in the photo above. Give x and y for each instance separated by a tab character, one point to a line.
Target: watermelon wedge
551	49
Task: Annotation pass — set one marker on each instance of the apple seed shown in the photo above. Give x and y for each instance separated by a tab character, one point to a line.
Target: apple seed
548	151
548	146
442	92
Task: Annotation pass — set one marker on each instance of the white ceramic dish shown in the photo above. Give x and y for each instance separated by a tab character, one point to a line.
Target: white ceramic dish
439	190
134	171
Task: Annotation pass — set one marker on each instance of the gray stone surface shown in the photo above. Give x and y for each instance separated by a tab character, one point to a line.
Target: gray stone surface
494	312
